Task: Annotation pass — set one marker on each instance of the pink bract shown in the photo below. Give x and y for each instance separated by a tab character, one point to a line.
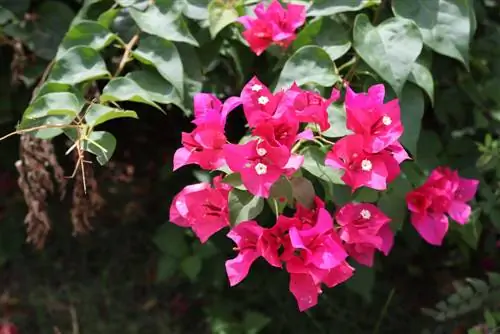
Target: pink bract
271	25
202	207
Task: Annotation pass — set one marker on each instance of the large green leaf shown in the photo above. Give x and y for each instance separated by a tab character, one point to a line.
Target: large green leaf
393	202
157	88
78	64
191	267
303	191
171	241
126	89
445	24
220	15
422	76
102	144
243	206
163	19
412	111
471	231
196	9
326	33
51	104
331	7
309	64
337	119
390	48
362	282
86	33
97	114
163	55
281	195
18	7
314	163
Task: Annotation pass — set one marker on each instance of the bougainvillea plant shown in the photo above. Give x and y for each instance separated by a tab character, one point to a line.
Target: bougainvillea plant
308	245
331	149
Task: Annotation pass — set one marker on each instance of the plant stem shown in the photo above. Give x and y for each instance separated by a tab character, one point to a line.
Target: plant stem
126	54
47	126
384	311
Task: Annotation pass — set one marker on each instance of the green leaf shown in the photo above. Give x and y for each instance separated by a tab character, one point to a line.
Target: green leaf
102	144
157	88
196	9
254	322
191	266
393	202
171	241
337	120
422	77
390	49
366	195
331	7
163	55
78	64
86	33
303	191
281	194
314	163
327	34
125	89
309	64
362	282
97	114
444	24
243	206
412	111
167	266
18	7
234	179
50	104
163	19
220	15
471	231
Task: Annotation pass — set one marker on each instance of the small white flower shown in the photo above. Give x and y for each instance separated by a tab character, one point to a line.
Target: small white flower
263	100
386	120
366	165
261	151
256	88
260	169
365	214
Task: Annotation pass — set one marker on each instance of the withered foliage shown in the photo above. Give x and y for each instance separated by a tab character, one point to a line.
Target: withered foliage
39	176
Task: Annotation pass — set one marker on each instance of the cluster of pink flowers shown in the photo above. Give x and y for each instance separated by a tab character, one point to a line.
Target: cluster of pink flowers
271	25
308	245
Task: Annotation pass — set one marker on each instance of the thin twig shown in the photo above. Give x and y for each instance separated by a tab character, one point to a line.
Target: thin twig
126	54
384	311
42	127
74	320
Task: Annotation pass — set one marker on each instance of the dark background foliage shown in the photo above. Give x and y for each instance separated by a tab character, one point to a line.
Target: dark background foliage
133	272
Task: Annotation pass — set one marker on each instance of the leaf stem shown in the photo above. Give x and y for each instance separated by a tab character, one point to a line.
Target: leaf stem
126	54
384	311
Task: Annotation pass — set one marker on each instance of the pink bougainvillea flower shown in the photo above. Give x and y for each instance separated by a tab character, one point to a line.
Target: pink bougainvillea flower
259	104
259	163
398	152
203	146
310	107
279	131
444	192
245	235
209	110
367	115
274	239
361	168
202	207
364	228
272	25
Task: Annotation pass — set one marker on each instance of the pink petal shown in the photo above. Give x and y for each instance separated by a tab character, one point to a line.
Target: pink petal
338	275
237	268
247	21
296	15
459	211
467	189
182	157
363	254
304	290
432	228
205	229
307	134
387	239
377	93
229	105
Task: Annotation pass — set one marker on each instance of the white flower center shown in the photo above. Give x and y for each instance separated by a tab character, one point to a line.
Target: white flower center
365	214
261	151
386	120
263	100
366	165
260	169
256	88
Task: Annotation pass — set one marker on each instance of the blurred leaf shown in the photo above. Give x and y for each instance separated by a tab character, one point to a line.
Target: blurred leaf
309	64
337	120
422	77
97	114
196	9
164	20
167	266
220	15
327	34
243	206
191	266
234	179
303	191
102	144
471	231
362	282
412	111
390	48
163	55
366	195
254	322
125	89
17	7
444	24
314	163
156	87
79	64
86	33
331	7
393	202
170	239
